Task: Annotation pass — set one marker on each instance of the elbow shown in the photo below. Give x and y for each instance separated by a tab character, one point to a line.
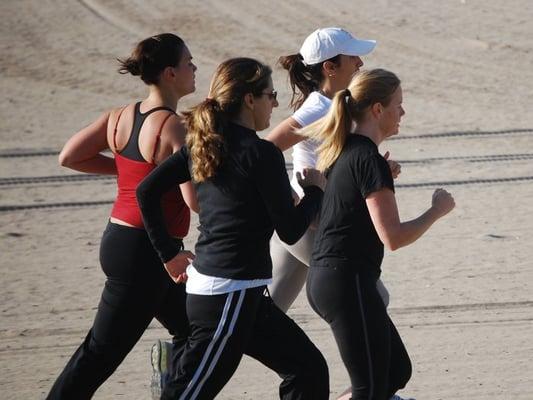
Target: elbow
64	159
391	244
392	247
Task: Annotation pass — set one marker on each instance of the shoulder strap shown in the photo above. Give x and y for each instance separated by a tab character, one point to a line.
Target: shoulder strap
158	137
115	131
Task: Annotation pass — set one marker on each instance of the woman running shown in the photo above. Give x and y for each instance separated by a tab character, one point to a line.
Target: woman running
359	217
327	61
138	288
244	195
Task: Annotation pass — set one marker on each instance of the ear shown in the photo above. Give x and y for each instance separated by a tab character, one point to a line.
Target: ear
249	101
169	73
377	109
329	68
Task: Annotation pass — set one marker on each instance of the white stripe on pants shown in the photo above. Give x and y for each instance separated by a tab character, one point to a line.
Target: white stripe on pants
212	344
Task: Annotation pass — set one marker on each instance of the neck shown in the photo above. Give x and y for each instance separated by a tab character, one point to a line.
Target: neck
244	119
162	97
370	130
329	87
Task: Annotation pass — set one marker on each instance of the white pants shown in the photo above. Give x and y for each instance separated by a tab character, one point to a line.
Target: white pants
290	265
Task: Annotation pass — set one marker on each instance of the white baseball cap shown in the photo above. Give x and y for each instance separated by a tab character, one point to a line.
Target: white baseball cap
325	43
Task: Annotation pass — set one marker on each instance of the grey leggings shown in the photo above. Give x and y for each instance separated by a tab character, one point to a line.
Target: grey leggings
290	267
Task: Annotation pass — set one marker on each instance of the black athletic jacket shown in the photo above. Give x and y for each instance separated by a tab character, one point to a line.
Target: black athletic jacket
240	207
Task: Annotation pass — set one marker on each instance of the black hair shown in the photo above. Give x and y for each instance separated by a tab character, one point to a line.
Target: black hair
152	55
304	79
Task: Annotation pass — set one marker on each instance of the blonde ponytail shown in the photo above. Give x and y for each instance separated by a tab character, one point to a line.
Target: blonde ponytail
331	130
349	105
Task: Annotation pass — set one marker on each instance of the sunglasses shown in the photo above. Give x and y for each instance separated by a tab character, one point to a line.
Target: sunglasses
272	95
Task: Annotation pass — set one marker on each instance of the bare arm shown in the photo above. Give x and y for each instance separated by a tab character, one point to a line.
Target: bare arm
284	136
189	195
174	132
82	152
395	234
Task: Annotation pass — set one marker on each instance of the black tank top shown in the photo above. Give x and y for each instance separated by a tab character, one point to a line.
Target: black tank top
131	150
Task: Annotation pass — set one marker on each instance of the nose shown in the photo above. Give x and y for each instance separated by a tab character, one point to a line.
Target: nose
276	103
194	67
402	112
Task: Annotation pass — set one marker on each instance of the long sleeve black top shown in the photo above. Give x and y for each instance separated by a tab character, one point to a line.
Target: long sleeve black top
240	207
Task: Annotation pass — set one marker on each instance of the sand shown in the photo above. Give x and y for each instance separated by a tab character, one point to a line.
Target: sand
461	296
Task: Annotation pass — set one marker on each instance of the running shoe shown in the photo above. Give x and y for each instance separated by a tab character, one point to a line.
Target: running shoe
160	358
396	397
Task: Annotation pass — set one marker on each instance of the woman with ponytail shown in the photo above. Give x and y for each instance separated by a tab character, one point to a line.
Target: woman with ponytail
140	135
327	61
244	195
358	218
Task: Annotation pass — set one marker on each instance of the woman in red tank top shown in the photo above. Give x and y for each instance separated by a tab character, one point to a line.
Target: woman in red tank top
137	289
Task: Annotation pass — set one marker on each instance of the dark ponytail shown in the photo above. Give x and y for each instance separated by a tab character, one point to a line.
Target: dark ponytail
151	56
304	79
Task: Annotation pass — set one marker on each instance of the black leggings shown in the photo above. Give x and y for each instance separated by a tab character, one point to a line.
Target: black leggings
369	343
137	289
226	326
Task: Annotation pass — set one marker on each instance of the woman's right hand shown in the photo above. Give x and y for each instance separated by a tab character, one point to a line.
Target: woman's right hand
177	266
311	177
442	202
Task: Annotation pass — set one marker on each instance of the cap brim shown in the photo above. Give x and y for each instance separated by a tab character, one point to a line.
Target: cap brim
357	47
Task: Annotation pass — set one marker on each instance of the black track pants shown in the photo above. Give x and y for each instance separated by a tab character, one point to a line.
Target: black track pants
368	341
137	289
226	326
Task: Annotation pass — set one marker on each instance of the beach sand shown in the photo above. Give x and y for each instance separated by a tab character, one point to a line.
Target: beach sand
461	296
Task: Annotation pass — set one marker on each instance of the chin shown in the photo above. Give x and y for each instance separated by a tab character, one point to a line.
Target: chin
263	127
391	134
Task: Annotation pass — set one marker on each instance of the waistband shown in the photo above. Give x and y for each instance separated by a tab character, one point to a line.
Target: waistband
114	227
347	268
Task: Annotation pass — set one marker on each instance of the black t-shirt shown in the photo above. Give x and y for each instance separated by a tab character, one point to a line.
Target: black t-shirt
240	207
346	235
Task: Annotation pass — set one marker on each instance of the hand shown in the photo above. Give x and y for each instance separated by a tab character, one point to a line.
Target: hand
177	266
395	167
442	202
311	177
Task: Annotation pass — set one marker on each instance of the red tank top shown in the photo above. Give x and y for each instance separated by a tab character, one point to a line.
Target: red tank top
131	172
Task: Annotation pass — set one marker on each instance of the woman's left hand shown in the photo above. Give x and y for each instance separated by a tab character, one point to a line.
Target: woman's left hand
395	167
177	266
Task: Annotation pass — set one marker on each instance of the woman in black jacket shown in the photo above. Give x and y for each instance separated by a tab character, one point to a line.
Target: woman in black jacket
244	195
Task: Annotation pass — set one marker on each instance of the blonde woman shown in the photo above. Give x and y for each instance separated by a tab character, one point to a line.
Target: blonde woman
325	64
359	218
244	195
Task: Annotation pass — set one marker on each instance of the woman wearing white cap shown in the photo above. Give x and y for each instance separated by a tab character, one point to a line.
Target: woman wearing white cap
326	63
